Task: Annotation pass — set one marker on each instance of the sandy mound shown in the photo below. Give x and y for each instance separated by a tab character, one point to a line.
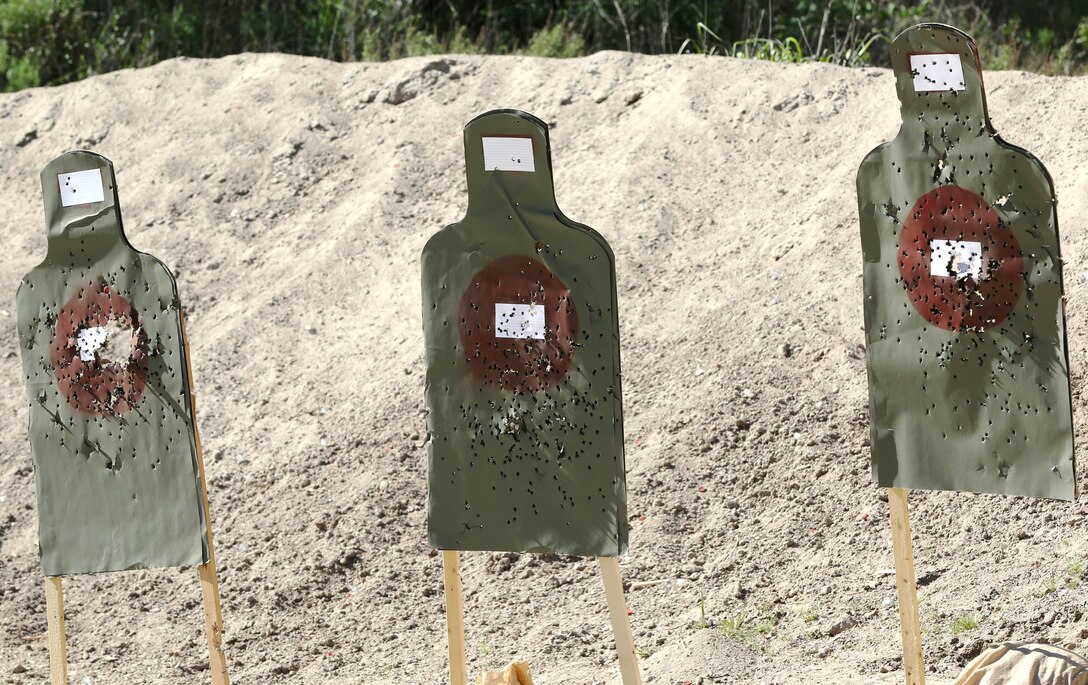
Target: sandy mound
292	197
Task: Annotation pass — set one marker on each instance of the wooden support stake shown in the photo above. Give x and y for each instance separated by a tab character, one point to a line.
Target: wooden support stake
209	579
455	616
58	645
621	624
913	662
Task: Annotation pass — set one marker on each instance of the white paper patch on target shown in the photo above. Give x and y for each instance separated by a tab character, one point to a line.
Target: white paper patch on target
520	321
89	341
955	259
936	72
81	187
508	154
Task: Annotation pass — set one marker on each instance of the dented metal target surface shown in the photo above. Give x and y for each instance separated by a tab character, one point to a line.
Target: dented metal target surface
103	358
964	315
523	371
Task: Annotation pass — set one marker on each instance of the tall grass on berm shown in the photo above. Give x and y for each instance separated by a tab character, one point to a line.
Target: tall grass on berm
48	42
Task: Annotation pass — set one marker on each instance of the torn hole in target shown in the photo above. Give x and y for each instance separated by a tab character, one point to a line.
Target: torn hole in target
508	153
521	321
956	259
109	344
937	72
81	187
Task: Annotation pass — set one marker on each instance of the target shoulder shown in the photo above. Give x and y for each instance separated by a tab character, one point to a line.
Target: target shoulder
1038	171
871	164
442	240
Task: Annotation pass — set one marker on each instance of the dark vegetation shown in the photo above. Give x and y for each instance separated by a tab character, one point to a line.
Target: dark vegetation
48	42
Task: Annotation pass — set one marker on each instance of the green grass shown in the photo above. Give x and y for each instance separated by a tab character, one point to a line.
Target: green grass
749	629
702	622
788	49
1050	586
964	623
486	650
1071	578
1073	573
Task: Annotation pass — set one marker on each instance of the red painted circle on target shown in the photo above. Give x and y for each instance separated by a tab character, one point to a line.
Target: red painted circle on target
97	386
961	265
508	294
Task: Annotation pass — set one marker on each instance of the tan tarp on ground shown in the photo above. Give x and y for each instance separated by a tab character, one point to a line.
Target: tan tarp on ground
1015	663
516	673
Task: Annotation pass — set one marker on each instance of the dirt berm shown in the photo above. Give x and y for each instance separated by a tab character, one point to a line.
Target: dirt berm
292	197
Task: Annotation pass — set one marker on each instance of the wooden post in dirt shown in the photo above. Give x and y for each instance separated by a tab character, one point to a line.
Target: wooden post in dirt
58	644
621	624
455	616
913	662
209	579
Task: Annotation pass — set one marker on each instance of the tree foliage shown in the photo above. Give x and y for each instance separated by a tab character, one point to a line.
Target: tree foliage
47	42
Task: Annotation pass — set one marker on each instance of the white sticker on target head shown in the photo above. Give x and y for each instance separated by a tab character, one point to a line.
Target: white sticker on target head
955	259
519	321
938	71
81	187
508	154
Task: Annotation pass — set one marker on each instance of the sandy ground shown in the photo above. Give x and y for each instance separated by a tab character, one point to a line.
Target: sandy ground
292	197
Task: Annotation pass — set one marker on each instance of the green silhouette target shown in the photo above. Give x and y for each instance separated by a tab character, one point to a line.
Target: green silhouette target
103	358
523	369
964	313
